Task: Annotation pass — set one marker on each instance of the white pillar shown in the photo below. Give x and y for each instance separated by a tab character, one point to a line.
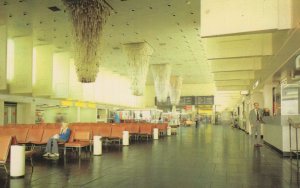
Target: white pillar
17	161
125	138
97	145
42	70
155	133
3	57
21	81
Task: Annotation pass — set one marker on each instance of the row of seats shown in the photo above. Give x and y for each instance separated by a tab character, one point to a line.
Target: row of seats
81	133
105	130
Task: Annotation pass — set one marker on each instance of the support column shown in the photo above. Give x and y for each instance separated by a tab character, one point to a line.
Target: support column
29	113
25	113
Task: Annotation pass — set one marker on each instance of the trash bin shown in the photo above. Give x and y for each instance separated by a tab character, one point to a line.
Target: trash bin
17	161
169	131
155	133
125	138
97	145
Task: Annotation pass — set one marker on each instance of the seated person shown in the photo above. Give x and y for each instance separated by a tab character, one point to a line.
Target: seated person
52	146
266	112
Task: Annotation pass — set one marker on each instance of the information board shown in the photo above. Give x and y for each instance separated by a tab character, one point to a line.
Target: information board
204	100
189	100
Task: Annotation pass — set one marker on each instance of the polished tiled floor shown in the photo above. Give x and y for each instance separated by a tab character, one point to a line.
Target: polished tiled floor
210	156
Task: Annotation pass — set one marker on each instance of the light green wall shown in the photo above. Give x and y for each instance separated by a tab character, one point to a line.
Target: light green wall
88	115
72	114
69	113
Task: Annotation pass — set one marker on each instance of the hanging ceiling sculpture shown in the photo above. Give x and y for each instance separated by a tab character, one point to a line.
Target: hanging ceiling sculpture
88	18
138	61
175	89
161	75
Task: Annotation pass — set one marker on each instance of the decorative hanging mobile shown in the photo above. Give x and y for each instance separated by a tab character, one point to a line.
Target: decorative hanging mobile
88	18
161	75
138	61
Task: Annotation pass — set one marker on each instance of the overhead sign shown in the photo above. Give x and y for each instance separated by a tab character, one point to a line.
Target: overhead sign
204	100
188	100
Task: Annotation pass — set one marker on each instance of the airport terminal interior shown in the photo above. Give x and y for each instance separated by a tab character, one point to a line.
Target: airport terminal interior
149	93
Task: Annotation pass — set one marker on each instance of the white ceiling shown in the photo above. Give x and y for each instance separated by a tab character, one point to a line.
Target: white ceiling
171	27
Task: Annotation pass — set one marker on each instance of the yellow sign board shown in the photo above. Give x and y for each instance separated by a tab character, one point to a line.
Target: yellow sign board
66	103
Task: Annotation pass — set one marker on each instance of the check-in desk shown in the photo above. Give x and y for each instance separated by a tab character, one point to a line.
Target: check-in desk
277	133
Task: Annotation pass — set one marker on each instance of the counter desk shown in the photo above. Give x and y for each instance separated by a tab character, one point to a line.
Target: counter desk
277	133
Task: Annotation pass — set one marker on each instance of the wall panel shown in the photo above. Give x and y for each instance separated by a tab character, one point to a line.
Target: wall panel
22	65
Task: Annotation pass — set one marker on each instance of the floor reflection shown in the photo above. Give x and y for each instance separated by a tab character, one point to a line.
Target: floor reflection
209	156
